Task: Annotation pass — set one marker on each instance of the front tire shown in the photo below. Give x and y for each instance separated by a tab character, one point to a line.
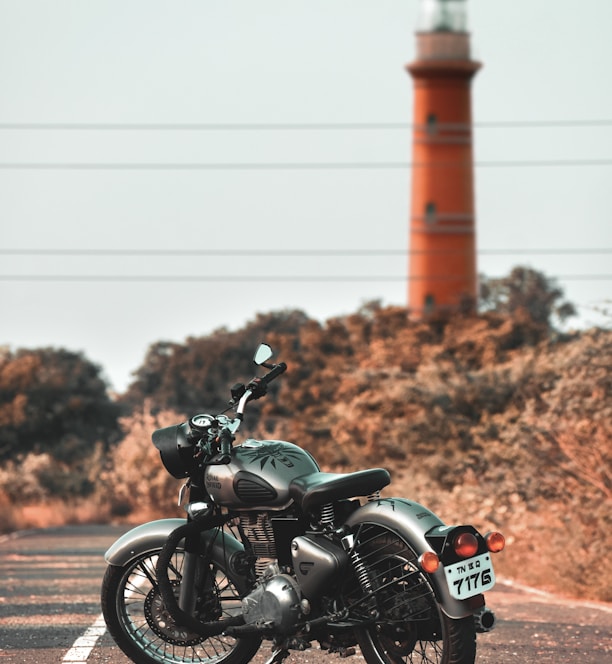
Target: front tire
408	625
141	626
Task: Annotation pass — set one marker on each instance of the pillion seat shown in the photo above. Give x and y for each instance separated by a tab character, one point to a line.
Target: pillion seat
315	489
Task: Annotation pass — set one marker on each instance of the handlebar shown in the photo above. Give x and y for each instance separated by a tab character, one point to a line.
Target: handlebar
255	389
276	371
258	387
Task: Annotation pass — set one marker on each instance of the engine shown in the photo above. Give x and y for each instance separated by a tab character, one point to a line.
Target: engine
280	600
276	603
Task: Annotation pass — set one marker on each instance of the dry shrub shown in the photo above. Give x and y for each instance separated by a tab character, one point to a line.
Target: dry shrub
587	453
476	418
8	522
135	484
482	428
48	513
27	500
20	480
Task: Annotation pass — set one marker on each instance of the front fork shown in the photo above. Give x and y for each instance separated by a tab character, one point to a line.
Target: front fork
194	566
192	578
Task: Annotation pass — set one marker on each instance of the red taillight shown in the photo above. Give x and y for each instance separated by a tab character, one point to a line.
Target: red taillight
429	562
495	542
465	545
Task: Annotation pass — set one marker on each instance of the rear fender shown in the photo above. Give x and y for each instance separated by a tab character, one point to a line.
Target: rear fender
411	522
150	537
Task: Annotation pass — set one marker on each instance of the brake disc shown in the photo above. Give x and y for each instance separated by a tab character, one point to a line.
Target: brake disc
163	624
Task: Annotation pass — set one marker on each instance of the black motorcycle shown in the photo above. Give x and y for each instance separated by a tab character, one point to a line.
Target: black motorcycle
275	549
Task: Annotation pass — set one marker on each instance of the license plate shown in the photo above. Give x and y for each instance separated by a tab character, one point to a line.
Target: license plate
470	577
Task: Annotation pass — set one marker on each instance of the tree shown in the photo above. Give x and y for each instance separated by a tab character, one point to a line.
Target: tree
197	374
529	291
53	401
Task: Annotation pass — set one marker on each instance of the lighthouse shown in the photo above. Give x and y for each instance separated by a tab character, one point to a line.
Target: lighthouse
442	263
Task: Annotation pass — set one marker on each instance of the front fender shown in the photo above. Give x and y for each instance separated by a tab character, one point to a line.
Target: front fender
150	537
411	521
142	539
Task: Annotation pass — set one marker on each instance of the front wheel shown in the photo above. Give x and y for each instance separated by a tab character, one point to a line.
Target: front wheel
142	627
406	623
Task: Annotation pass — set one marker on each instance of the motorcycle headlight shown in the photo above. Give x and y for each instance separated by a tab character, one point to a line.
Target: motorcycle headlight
176	449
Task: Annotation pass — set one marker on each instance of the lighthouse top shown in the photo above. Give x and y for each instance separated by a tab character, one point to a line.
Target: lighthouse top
442	34
443	16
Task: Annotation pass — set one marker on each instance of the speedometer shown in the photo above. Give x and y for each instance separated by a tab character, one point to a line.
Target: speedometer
201	422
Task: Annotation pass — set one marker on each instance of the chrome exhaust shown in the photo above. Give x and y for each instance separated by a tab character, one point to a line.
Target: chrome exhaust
484	619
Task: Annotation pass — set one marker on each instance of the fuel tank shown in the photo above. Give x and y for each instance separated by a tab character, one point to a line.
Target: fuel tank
258	475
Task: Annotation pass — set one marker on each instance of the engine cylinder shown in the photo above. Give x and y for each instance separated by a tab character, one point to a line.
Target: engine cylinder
258	530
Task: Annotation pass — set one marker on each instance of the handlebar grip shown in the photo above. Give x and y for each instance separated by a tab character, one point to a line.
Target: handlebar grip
274	373
225	447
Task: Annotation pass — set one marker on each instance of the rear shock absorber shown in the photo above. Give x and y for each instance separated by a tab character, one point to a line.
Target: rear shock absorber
363	576
361	572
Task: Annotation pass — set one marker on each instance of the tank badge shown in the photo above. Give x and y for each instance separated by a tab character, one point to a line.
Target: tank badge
273	454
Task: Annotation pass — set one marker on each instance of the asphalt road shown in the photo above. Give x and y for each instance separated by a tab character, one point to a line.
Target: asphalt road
49	605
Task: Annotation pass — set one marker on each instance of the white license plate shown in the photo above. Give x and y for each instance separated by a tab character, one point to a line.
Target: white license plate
470	577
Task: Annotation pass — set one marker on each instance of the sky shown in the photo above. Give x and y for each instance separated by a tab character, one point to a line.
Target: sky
169	168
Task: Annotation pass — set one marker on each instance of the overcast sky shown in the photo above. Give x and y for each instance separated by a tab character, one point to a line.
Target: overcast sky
114	137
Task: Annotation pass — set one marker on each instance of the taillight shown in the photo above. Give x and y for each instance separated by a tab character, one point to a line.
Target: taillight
495	542
465	545
429	562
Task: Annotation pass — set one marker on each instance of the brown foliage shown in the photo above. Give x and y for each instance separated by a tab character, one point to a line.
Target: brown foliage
486	419
134	482
53	401
477	417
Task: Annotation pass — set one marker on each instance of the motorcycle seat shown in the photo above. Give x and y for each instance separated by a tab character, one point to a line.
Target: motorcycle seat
317	489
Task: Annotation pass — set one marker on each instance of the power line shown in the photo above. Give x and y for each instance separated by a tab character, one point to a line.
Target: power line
254	278
278	126
295	252
289	166
573	251
209	278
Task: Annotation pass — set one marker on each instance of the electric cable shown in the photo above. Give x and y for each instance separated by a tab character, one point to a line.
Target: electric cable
228	251
291	166
279	126
257	278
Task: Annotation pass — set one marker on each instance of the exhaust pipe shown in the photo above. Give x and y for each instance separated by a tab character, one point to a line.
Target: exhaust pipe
484	619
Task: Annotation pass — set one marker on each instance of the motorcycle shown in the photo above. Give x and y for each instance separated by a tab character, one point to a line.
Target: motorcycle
274	549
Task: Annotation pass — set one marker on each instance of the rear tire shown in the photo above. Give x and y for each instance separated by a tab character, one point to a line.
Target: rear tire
140	625
409	626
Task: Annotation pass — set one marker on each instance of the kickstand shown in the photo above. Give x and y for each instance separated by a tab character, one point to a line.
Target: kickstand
278	656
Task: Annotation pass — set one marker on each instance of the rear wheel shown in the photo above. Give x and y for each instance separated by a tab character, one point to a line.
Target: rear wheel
142	627
407	626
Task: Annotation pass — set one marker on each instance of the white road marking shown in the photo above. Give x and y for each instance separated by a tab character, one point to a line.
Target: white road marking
557	599
85	644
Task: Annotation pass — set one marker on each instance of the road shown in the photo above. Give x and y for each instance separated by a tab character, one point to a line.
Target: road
49	604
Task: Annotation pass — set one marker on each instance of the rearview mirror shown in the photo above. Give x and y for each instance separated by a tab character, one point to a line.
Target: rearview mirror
262	354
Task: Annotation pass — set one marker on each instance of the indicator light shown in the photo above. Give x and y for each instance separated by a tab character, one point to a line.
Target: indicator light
495	542
429	562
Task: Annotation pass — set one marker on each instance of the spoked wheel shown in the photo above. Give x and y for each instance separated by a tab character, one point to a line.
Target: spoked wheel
142	627
408	625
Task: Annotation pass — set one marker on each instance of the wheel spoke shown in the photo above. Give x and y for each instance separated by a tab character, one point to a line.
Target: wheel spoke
147	624
410	629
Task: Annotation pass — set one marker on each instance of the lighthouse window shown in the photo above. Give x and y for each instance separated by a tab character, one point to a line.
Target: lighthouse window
430	302
432	123
430	213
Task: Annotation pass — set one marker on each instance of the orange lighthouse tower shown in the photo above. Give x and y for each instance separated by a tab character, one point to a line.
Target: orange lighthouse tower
442	222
